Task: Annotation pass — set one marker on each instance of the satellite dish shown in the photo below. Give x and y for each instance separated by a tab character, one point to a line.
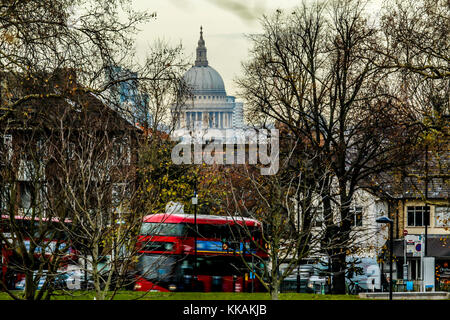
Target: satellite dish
174	207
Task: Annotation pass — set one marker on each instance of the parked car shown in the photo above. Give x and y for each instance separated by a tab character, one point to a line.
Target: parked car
74	280
289	284
66	279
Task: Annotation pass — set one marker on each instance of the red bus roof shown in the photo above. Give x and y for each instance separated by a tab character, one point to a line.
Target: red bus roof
201	219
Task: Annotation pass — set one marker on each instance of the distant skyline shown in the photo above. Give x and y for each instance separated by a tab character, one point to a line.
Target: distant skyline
225	23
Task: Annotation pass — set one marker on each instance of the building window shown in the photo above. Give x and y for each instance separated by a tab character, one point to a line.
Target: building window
418	216
7	149
27	195
318	217
193	120
226	120
356	216
216	120
121	151
188	120
210	119
442	216
119	197
4	196
199	120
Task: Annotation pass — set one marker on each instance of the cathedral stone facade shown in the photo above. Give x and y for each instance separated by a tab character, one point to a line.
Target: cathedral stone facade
209	110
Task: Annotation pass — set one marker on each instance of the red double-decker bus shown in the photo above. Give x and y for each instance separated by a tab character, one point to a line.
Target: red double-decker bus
51	240
220	256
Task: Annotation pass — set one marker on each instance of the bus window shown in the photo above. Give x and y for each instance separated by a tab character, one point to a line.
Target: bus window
162	229
224	232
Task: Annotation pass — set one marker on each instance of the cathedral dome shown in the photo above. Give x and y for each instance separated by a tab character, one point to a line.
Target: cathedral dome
201	78
204	80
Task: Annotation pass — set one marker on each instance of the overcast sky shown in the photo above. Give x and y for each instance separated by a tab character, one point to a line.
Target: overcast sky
224	24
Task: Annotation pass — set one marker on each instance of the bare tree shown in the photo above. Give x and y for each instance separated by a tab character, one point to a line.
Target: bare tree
33	223
316	72
56	61
95	156
288	206
161	81
416	35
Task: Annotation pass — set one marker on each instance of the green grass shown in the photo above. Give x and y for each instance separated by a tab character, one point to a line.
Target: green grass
133	295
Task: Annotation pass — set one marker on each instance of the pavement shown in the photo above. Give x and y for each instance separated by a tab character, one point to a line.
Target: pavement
438	295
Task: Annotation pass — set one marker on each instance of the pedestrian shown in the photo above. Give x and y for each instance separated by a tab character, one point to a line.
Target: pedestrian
383	282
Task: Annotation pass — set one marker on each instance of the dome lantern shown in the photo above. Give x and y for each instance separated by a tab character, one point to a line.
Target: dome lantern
201	60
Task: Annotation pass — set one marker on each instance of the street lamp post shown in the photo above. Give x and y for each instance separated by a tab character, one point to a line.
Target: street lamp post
391	248
194	202
298	251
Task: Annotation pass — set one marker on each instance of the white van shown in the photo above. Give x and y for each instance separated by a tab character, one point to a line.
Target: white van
370	277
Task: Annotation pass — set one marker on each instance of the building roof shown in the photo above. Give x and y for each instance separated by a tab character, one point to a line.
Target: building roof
428	170
66	101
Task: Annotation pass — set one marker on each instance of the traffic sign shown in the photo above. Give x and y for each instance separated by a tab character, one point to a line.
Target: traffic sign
405	233
418	247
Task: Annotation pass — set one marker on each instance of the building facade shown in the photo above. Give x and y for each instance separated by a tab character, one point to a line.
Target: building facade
209	109
420	206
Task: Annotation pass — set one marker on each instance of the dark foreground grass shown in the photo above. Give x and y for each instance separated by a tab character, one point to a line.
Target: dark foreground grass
133	295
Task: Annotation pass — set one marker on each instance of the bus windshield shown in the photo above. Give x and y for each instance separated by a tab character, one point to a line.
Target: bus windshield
156	266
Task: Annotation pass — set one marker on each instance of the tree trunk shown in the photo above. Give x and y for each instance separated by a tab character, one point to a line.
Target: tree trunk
275	288
30	288
338	270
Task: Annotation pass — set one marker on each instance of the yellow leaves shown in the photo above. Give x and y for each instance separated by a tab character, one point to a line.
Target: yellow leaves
9	38
169	193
